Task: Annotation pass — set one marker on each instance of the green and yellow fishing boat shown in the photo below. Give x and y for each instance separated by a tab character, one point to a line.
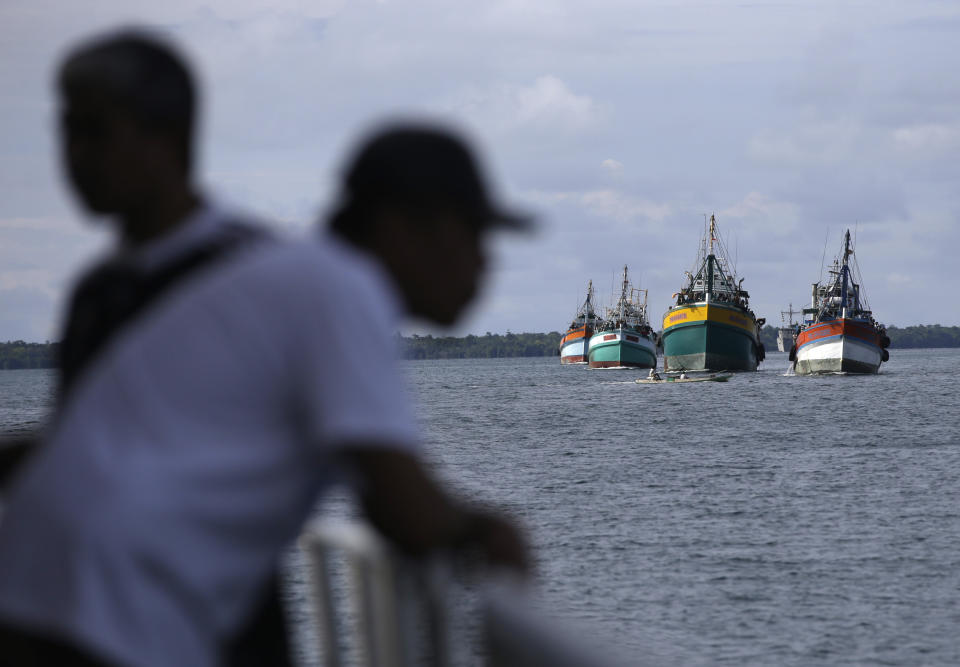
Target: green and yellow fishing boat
711	326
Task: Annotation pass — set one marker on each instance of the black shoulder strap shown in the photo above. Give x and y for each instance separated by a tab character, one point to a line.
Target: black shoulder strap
113	295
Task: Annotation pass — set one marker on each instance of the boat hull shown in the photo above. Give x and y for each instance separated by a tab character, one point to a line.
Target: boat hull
701	336
613	348
574	346
784	338
838	346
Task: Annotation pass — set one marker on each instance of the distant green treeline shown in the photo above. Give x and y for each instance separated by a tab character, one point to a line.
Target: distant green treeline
18	354
489	346
546	344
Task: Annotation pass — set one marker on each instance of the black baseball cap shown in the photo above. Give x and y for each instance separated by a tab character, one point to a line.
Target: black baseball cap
421	164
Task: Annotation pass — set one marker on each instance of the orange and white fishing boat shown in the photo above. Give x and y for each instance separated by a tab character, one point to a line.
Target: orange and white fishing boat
574	344
839	334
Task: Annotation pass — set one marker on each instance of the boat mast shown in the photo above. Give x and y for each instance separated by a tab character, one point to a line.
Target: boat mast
844	273
588	306
790	312
623	297
710	258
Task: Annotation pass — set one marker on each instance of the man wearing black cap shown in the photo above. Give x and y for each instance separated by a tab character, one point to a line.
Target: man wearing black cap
414	198
144	531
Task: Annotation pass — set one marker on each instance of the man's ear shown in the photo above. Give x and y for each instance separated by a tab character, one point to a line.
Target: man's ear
398	234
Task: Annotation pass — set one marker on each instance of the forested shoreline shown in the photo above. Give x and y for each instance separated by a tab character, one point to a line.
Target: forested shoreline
20	354
492	346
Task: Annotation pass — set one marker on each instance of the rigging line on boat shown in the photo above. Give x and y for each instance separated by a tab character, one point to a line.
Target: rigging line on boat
856	265
823	257
862	290
736	253
726	253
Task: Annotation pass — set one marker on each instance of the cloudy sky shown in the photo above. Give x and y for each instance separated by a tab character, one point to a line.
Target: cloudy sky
620	122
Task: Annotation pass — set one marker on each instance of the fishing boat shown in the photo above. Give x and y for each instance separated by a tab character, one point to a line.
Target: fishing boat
626	338
574	344
838	333
787	329
711	326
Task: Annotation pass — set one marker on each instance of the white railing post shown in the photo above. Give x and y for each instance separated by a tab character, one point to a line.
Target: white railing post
404	609
373	593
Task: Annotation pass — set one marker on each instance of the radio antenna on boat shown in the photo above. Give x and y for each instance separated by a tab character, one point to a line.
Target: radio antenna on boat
703	239
712	222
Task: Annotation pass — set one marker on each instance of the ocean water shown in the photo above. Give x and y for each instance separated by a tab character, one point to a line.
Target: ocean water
26	399
769	520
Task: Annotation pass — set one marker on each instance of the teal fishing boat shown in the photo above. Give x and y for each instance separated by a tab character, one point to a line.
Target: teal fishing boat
626	338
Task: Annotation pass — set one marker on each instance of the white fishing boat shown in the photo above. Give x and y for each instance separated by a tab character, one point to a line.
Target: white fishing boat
839	333
787	329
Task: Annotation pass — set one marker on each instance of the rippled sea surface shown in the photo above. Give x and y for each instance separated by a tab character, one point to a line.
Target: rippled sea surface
26	399
769	520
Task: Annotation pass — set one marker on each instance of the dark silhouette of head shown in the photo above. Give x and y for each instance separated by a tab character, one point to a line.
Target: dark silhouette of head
127	116
414	197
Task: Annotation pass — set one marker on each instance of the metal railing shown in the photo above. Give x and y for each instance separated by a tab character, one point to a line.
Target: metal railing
374	608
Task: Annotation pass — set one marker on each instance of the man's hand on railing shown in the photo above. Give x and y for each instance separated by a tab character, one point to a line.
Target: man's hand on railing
498	540
405	503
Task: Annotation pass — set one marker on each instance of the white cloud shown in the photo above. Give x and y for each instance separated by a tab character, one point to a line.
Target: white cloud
34	224
612	166
611	204
545	105
550	100
38	279
817	143
624	207
929	139
899	279
623	120
763	214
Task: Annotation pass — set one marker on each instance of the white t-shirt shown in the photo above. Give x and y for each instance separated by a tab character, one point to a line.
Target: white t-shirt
192	453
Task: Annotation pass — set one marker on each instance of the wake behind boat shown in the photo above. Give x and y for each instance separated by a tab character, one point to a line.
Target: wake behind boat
711	326
839	334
